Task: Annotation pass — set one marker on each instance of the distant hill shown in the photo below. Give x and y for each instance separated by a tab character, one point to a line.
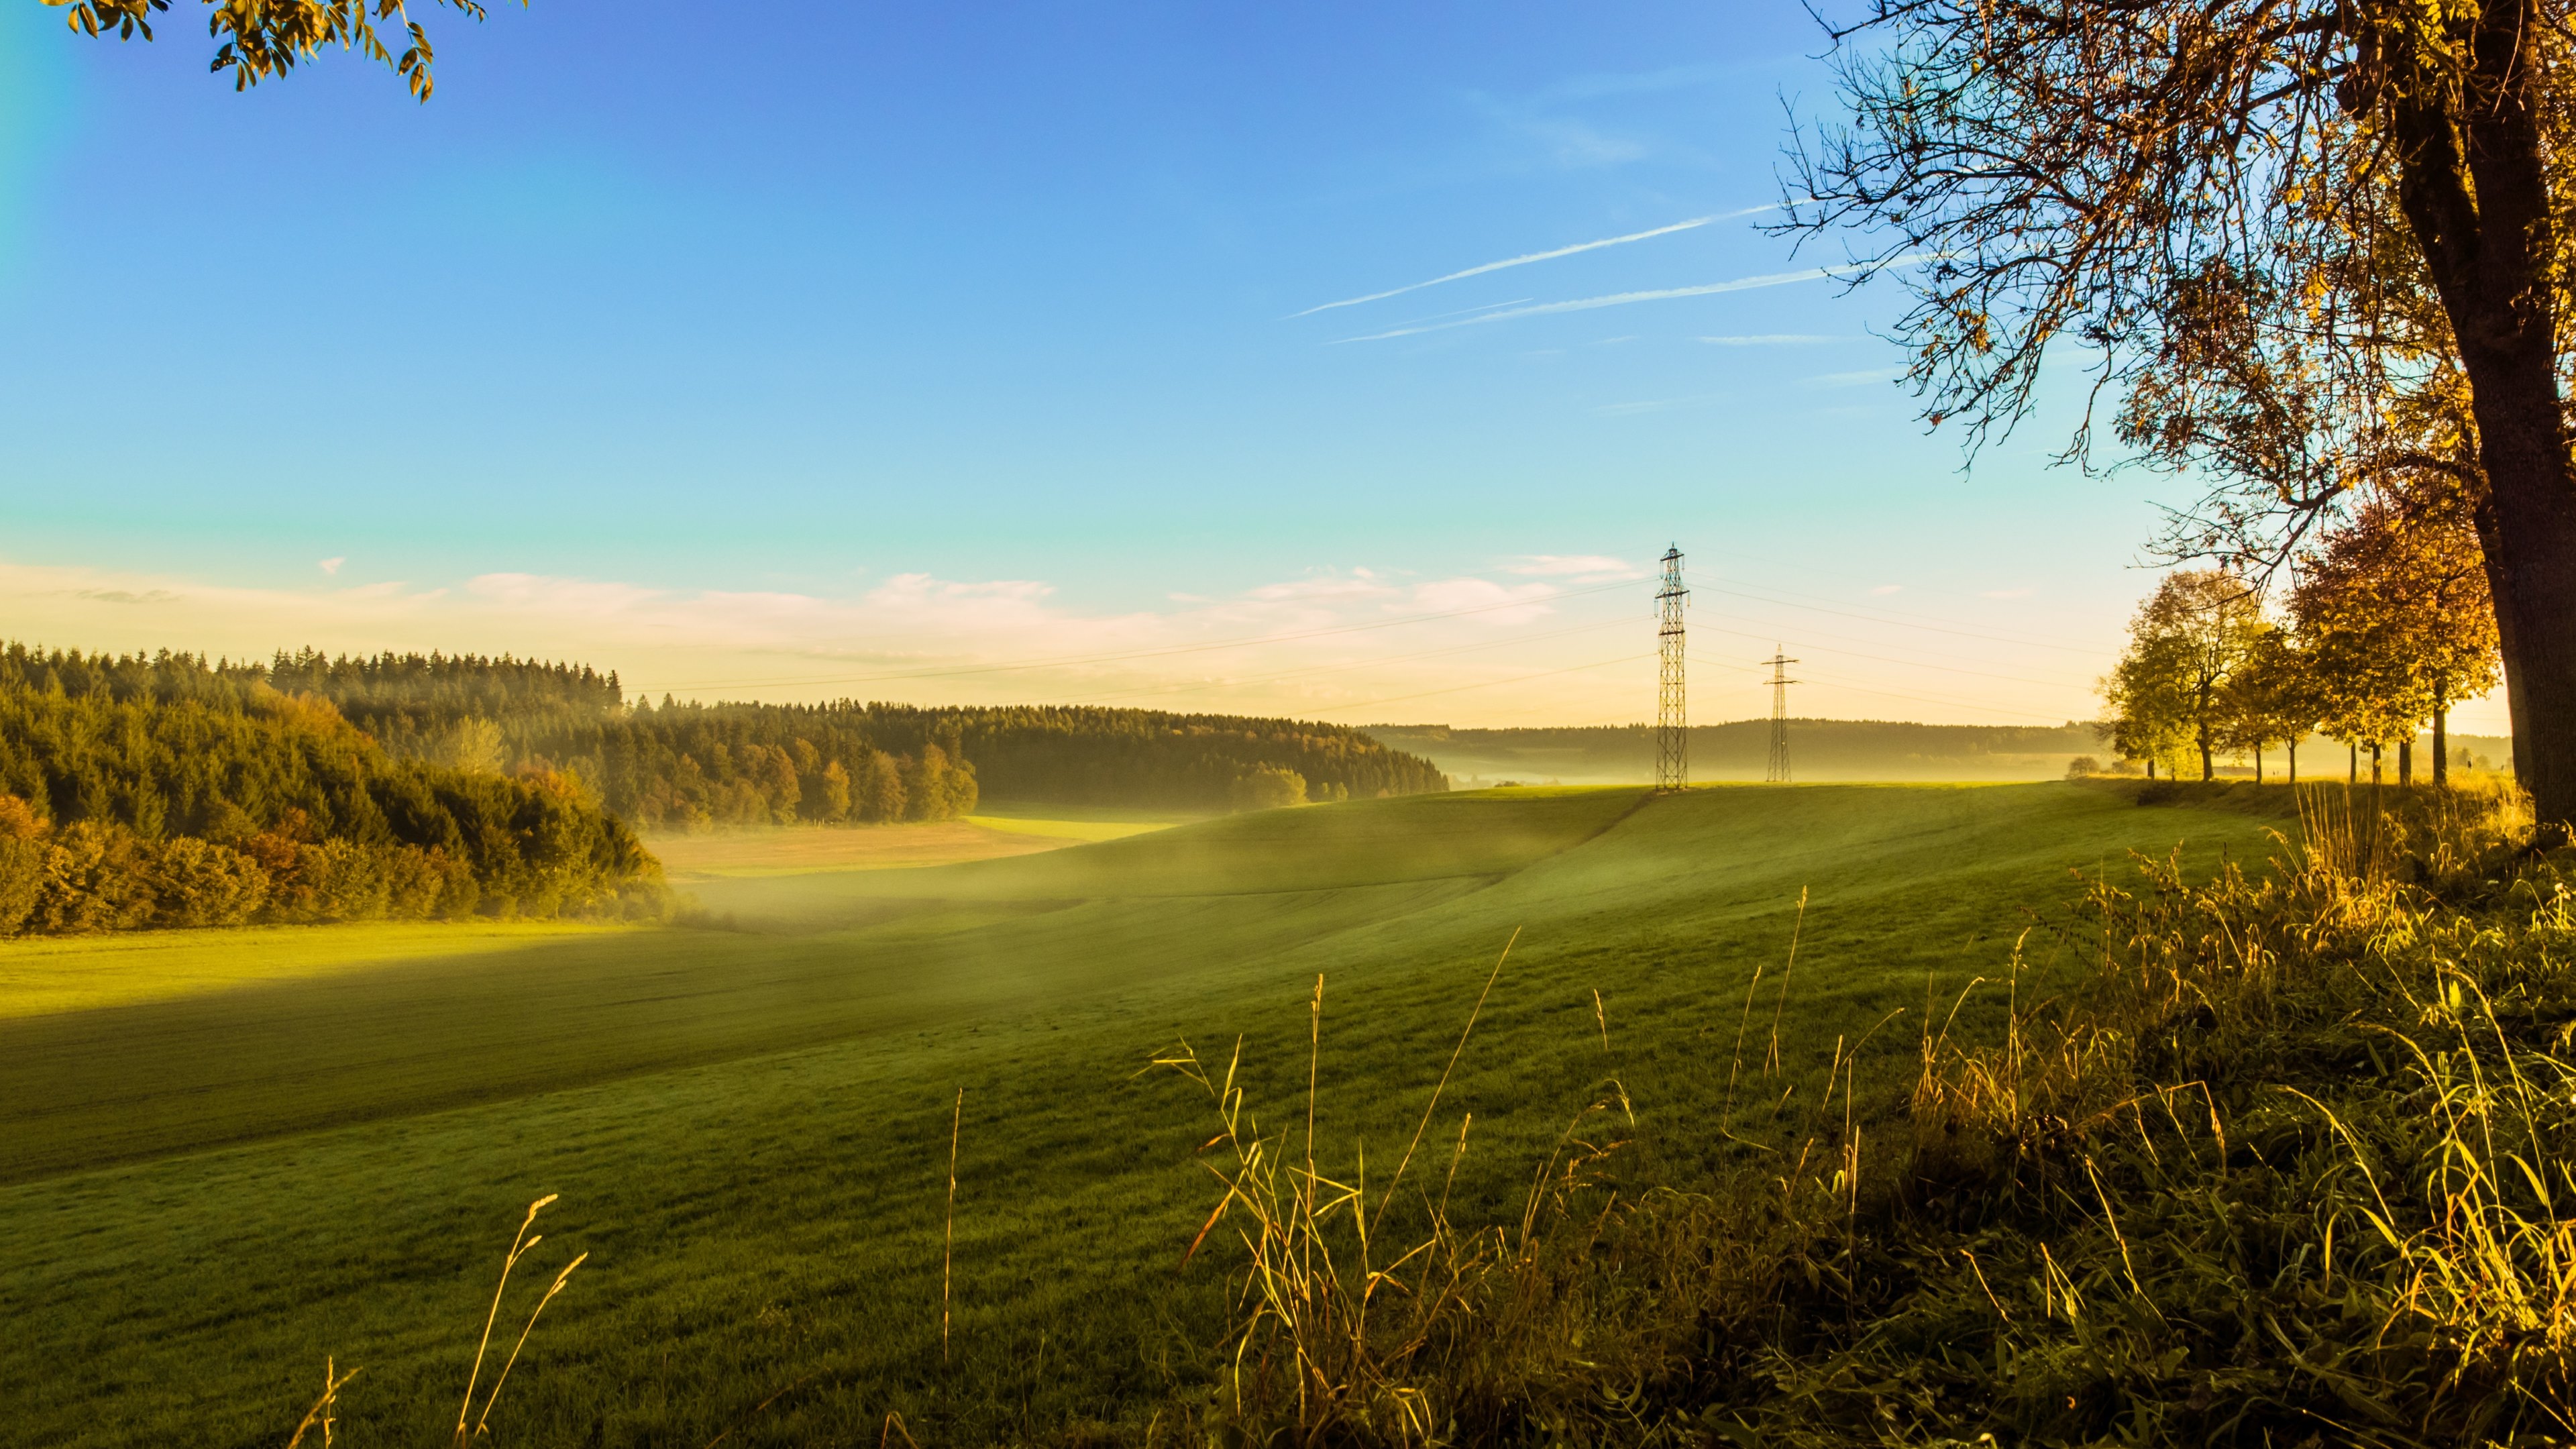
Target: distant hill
1819	749
687	766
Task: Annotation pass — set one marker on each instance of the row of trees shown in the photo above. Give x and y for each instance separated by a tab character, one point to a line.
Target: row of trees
2386	626
219	800
680	766
2310	248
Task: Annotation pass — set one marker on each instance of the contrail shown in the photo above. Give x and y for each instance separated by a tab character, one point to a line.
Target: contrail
1621	299
1615	299
1522	261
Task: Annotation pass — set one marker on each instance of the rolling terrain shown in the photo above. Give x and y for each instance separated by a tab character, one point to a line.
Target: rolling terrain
210	1181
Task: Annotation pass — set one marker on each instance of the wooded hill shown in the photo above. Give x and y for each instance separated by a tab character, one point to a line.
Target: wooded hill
1824	750
691	766
164	792
1820	749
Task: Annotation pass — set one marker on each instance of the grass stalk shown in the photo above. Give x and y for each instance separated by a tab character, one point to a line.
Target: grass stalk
1780	1006
948	1228
320	1415
1388	1196
519	1245
483	1422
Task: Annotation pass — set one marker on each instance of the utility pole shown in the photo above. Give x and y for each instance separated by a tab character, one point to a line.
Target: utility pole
1780	682
1672	716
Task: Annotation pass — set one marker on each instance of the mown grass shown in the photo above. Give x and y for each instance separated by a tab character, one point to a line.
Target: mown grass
45	975
749	1129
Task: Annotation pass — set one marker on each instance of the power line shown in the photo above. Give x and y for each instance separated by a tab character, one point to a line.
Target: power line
1908	623
1933	699
1916	663
1486	684
1071	660
1352	666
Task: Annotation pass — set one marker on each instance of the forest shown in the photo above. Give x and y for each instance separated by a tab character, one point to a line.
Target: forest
164	792
689	766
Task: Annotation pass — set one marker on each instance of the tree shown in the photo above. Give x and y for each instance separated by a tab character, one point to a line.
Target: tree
2396	602
2272	697
2072	169
880	790
2189	646
1268	788
2144	715
258	40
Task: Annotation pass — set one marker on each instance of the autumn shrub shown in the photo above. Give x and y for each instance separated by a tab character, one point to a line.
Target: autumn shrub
201	883
92	876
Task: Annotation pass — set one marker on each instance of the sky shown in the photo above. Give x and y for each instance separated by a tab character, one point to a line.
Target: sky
1341	361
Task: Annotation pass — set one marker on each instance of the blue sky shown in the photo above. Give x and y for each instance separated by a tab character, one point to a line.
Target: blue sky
888	350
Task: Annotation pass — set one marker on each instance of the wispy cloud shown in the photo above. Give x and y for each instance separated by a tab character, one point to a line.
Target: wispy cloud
2007	593
1768	339
1614	299
1547	256
331	565
1580	567
1884	589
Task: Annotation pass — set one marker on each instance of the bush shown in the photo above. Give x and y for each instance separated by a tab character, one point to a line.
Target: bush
93	880
2082	766
1268	787
199	883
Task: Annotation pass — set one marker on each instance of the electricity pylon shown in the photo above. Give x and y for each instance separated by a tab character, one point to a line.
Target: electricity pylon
1672	717
1780	682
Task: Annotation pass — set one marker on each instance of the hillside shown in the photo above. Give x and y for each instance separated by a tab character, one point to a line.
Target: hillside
165	793
750	1128
1819	750
682	766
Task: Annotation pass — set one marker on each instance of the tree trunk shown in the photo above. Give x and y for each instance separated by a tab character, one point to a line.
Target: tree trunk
2258	762
2206	772
2475	190
2151	767
2406	761
2374	766
2294	759
2441	742
2352	766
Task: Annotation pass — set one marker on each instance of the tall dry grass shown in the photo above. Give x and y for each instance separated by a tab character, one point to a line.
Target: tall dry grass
471	1426
2294	1161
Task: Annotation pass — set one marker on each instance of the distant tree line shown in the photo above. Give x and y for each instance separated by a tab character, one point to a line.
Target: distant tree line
686	766
163	791
2387	625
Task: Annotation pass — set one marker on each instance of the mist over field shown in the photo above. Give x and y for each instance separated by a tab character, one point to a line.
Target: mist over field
1161	726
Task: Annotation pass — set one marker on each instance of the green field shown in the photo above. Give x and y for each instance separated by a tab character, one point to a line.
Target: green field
317	1142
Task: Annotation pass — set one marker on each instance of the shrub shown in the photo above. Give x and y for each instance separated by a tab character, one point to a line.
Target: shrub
92	881
200	883
1268	787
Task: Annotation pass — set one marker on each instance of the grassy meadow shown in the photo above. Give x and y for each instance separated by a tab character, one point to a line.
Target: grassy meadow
226	1155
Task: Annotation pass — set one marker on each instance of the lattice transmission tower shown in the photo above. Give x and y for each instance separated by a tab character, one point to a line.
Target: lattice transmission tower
1672	714
1778	774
